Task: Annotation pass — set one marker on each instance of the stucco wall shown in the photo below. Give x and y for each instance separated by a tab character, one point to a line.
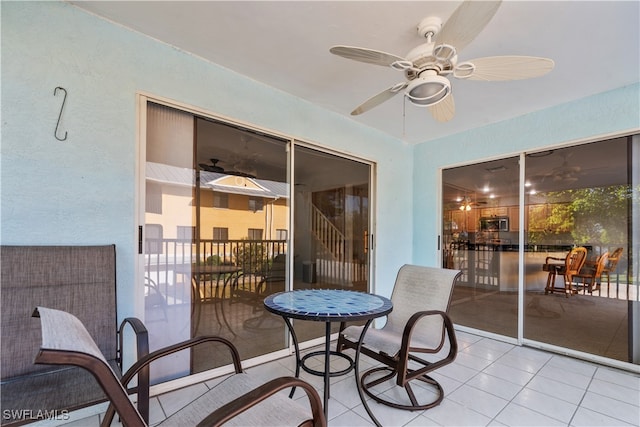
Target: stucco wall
83	190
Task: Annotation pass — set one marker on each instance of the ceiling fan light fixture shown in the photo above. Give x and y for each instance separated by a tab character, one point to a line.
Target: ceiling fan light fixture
428	90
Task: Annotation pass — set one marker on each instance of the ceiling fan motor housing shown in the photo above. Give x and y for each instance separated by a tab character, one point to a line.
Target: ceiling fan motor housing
429	26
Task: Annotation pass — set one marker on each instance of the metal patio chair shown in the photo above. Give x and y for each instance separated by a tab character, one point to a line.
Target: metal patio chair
418	328
238	400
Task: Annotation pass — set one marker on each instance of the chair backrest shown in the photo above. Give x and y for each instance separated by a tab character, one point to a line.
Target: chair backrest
278	267
65	341
612	263
416	289
77	279
601	263
574	261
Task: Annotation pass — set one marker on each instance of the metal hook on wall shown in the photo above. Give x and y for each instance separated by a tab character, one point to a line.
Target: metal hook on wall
55	92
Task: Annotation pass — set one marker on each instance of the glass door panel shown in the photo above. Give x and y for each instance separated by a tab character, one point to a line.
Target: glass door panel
170	184
331	226
481	238
217	234
579	196
242	232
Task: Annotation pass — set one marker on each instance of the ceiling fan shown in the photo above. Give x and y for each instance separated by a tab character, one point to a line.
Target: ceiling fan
566	172
213	167
427	66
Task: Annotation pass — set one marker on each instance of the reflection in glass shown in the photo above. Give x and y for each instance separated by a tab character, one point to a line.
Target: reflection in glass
579	196
331	226
218	235
481	238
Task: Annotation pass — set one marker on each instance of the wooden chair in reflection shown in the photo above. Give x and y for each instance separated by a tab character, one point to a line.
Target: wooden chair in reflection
589	276
612	265
573	262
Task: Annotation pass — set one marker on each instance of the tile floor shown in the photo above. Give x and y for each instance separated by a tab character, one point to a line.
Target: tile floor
491	383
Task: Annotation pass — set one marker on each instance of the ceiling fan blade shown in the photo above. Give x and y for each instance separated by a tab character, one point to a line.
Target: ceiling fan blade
444	110
369	56
378	99
496	68
466	22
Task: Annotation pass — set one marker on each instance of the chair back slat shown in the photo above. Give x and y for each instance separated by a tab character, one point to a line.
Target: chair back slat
419	288
574	262
612	262
602	262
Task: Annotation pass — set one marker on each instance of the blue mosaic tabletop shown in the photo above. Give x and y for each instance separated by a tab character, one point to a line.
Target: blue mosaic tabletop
328	305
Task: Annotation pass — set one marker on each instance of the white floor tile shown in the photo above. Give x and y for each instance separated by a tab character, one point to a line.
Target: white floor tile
386	415
451	413
496	386
516	416
524	364
472	361
613	408
508	373
557	389
478	400
587	418
565	376
615	391
573	365
350	419
457	372
546	404
625	379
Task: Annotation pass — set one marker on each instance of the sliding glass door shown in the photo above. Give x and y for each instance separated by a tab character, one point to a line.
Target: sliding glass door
580	196
481	226
331	226
224	227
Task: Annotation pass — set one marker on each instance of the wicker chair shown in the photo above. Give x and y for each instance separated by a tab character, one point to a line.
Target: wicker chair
238	400
612	265
590	275
571	266
418	326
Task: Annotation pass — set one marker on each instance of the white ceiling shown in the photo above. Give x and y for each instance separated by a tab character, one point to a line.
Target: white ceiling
595	46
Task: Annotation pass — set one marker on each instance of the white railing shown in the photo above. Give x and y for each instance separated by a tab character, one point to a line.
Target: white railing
331	239
332	263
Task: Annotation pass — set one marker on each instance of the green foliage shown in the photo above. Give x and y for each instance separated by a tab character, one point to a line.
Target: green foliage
594	216
213	260
251	256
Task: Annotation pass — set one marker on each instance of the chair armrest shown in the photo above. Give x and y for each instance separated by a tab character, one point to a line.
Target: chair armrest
143	364
142	350
142	338
448	328
405	356
257	395
546	261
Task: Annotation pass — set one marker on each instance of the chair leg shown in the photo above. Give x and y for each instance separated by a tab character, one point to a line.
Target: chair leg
551	280
415	406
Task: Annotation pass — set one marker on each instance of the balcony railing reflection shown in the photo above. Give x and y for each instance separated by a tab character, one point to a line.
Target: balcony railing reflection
167	261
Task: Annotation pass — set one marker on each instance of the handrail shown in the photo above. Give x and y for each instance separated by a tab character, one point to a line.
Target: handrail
331	238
